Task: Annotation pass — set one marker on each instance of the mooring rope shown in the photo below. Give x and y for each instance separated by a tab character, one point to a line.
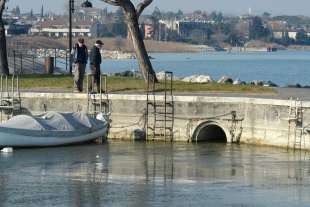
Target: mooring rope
203	118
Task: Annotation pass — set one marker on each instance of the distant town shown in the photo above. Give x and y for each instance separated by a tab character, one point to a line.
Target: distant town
199	27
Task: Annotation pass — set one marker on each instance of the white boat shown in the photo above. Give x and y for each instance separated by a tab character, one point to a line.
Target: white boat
51	129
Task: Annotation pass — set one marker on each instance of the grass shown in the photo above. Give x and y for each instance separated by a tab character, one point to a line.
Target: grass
65	83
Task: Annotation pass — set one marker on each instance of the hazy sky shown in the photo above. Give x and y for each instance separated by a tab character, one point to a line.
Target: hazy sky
277	7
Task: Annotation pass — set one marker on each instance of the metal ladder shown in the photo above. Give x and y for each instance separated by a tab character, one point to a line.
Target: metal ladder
98	102
10	101
295	121
160	113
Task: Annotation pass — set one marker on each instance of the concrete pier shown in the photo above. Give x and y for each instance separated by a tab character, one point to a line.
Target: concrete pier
197	117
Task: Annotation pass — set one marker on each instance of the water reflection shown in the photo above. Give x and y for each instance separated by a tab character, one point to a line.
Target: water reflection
155	174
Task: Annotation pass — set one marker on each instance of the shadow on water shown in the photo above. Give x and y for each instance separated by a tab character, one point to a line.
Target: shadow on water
155	174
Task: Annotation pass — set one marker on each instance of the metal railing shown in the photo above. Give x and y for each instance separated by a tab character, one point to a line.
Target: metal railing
97	102
32	61
159	116
10	101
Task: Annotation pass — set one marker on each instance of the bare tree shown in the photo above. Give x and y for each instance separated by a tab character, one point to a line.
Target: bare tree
4	67
132	15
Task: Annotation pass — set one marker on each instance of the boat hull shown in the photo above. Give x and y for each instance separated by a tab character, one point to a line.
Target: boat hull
18	140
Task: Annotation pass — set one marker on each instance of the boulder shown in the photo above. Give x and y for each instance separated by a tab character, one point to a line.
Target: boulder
270	84
198	79
257	83
161	76
294	86
225	80
238	82
128	73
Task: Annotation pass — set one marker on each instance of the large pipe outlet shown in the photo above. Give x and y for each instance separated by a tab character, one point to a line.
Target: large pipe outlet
210	132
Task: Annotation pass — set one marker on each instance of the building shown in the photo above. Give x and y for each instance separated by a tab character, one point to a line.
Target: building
279	29
186	29
292	34
17	29
279	34
60	28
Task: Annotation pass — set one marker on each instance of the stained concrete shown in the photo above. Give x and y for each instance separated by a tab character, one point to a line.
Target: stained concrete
265	119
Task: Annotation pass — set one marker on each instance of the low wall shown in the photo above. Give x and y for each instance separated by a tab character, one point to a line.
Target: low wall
265	121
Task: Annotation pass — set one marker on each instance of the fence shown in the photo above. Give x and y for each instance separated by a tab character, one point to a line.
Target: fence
32	61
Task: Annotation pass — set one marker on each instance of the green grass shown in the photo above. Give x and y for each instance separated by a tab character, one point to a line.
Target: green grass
65	83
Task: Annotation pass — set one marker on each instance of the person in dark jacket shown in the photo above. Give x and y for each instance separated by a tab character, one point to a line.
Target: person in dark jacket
95	61
80	57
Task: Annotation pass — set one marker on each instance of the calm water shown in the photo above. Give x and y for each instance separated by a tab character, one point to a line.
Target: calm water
283	67
141	174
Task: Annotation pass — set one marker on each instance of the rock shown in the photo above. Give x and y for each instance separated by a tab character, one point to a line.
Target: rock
270	84
118	55
294	86
238	82
225	80
161	76
7	150
257	83
128	73
198	79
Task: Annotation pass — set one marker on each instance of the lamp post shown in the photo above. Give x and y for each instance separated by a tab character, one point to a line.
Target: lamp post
85	4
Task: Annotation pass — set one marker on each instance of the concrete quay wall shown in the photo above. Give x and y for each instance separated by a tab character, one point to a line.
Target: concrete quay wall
265	121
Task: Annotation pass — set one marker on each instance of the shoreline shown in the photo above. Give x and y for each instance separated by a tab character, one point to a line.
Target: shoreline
124	45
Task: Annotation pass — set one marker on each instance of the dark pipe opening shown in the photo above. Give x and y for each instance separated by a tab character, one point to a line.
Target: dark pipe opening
212	133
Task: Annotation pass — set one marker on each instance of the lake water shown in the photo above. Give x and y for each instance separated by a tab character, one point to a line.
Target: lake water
155	174
283	67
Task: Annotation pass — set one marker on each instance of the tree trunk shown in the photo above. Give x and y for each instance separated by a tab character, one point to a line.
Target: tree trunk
132	15
139	46
4	67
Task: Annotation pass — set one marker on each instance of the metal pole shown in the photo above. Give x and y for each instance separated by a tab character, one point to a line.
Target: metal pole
55	56
66	60
33	64
21	63
14	58
71	8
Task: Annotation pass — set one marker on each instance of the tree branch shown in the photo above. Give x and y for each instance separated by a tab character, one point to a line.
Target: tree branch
116	2
142	6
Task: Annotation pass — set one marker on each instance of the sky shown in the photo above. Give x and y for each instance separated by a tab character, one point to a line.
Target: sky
231	7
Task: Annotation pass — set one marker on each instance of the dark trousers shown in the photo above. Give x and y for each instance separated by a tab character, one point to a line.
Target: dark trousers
95	80
79	71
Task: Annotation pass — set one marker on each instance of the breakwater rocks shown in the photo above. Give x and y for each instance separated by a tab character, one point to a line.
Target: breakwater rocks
117	55
205	79
59	53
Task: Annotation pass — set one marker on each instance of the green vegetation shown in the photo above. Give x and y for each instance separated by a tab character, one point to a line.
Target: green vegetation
65	83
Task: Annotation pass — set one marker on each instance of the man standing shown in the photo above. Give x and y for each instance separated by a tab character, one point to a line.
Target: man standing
80	56
95	61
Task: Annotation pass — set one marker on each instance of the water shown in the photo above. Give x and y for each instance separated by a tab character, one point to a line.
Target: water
283	67
148	174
